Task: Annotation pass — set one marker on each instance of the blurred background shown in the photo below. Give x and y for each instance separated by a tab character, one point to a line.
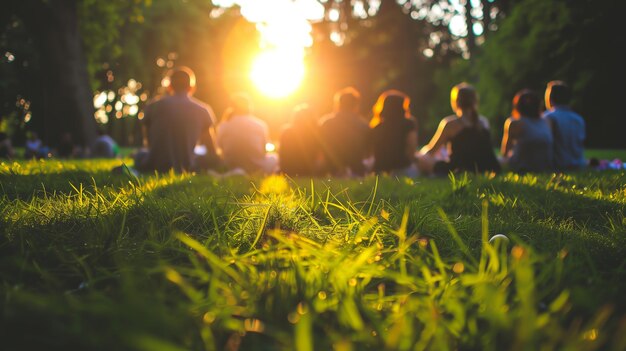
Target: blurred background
79	65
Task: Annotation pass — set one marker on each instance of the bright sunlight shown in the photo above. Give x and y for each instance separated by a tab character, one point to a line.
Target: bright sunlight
277	73
285	28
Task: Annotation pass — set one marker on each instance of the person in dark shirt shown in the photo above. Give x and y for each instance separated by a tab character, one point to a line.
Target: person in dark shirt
175	124
394	134
6	148
299	149
344	136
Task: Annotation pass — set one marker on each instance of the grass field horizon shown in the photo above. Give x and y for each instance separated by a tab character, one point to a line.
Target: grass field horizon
95	260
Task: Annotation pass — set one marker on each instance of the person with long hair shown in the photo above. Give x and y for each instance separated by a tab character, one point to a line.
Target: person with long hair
394	135
527	141
299	151
465	134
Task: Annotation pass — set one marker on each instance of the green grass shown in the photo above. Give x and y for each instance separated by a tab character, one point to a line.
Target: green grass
91	260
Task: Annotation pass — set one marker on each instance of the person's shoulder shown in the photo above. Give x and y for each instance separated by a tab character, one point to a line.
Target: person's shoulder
449	120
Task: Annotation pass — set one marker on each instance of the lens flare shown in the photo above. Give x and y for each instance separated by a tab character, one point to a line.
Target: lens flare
277	73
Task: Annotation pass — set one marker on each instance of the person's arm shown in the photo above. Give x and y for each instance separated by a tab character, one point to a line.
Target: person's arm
439	139
505	138
511	131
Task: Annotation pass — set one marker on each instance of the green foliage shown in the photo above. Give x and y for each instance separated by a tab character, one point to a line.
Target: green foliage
95	260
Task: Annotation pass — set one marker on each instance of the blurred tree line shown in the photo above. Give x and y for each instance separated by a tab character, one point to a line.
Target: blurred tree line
57	54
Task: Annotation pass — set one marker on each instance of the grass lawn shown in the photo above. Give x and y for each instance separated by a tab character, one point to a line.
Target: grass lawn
91	260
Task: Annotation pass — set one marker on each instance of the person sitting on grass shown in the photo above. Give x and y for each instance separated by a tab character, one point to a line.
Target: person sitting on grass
527	140
344	136
242	137
298	148
394	135
466	136
104	146
6	148
174	125
568	127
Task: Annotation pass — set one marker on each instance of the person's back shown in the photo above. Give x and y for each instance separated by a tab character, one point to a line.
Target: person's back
466	136
568	128
242	139
299	148
471	150
104	146
533	149
174	125
527	144
394	134
6	148
344	136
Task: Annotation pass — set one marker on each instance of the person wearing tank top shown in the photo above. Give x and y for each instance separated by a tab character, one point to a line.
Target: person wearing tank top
465	135
527	143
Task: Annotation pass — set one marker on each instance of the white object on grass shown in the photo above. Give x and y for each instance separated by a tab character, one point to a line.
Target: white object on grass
499	238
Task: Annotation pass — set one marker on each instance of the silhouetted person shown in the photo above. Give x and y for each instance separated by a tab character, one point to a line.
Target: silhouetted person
568	127
104	146
344	135
394	135
527	141
175	124
66	147
299	148
242	137
466	136
6	148
34	147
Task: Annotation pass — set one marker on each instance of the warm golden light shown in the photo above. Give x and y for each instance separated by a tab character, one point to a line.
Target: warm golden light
278	73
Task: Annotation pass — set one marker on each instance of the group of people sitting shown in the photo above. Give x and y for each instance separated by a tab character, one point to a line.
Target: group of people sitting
103	146
342	143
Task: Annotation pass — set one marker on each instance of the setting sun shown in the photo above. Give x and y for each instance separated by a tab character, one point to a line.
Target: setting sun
277	73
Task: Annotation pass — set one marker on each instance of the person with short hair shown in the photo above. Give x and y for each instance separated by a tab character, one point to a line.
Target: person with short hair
174	125
527	141
568	127
466	136
394	135
242	137
344	135
104	146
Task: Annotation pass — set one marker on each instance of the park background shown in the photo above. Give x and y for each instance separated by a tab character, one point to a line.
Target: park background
65	62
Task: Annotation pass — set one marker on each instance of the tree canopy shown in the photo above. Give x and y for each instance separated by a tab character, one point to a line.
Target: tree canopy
422	47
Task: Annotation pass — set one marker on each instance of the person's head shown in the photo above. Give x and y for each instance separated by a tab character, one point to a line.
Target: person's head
181	80
240	104
391	104
303	116
463	97
527	103
557	93
31	135
347	100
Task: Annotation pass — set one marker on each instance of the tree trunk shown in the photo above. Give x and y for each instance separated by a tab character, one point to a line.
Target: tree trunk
67	100
471	37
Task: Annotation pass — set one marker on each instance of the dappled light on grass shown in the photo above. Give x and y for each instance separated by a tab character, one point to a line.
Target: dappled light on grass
195	262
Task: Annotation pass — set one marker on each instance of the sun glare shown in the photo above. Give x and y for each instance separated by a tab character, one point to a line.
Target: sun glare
277	73
285	29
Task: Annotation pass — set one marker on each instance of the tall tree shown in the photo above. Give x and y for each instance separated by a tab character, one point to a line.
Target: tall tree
66	95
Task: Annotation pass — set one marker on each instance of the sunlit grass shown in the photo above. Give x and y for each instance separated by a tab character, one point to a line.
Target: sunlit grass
95	260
